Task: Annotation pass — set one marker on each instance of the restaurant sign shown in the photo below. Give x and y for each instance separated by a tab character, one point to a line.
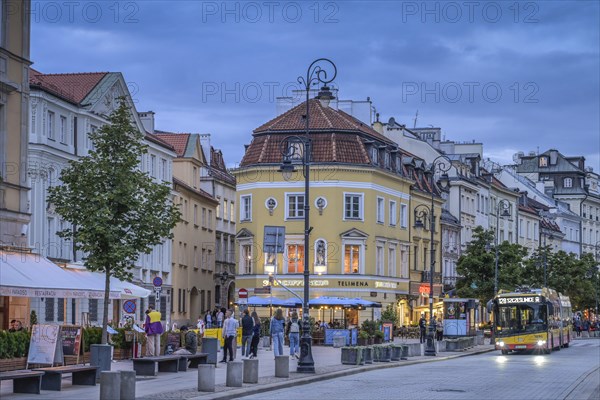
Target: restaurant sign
335	283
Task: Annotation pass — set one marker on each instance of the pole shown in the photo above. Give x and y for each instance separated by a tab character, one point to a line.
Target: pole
306	362
545	260
496	260
430	350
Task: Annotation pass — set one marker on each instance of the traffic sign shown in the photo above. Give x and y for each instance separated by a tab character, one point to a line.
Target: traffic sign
262	290
157	281
157	290
129	306
243	293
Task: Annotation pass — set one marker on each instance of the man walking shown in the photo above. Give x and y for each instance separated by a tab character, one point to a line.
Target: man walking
422	328
154	329
230	326
247	325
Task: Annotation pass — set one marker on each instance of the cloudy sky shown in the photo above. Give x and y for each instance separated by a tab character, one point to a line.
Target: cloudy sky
517	76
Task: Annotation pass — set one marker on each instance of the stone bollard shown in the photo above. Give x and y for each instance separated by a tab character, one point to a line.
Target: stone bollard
234	374
127	385
250	371
100	357
110	385
206	378
282	366
210	346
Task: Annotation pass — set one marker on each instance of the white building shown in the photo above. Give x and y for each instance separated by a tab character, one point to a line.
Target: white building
64	108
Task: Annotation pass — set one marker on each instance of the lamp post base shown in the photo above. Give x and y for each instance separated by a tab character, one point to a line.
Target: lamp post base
430	345
306	364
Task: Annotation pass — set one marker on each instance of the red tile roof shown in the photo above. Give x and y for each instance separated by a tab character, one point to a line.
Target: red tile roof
73	87
321	119
178	140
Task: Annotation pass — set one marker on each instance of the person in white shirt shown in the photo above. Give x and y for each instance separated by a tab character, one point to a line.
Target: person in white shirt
230	326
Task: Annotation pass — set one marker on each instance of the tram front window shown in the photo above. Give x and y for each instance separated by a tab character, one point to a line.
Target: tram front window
522	318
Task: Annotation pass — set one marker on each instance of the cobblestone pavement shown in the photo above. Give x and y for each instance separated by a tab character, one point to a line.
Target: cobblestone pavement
571	373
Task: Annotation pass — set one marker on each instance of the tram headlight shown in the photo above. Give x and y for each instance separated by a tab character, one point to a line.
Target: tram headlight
541	343
500	344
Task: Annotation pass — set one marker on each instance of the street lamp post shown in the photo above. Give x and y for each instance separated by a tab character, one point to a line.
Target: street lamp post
505	207
291	151
424	213
546	259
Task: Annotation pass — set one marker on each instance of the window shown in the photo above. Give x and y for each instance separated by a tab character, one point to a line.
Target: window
225	210
374	155
196	214
543	162
351	259
246	208
63	129
194	177
295	258
392	261
353	206
392	213
164	171
232	211
247	259
218	211
204	217
195	262
89	141
404	263
295	206
521	227
152	165
416	253
528	230
210	218
380	210
49	309
93	309
379	261
568	182
387	160
50	127
403	215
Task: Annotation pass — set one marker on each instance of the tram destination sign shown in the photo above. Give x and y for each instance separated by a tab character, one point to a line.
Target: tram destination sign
520	299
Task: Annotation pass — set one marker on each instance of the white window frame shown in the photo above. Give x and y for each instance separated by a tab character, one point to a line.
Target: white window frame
404	261
246	215
379	259
361	208
380	210
568	182
294	241
393	210
50	127
246	265
361	255
299	206
403	215
392	260
63	129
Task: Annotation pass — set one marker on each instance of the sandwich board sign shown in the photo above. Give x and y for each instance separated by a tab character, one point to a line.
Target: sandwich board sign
71	336
45	346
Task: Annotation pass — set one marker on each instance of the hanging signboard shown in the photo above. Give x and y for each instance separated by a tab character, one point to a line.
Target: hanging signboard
274	239
45	347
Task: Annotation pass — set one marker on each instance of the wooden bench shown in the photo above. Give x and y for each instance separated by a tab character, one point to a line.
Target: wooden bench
194	360
80	375
147	365
24	381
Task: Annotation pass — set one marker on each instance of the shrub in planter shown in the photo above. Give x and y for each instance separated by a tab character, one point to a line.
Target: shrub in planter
14	344
378	337
363	338
352	356
91	335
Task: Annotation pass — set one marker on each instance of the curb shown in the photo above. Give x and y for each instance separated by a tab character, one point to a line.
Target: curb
247	391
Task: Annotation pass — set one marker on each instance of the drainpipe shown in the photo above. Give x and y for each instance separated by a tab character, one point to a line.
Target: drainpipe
585	188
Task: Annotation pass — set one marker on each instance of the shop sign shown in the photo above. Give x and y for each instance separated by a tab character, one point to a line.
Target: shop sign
298	282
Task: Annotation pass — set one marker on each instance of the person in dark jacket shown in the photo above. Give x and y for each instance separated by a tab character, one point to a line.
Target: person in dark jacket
422	329
247	325
191	342
255	335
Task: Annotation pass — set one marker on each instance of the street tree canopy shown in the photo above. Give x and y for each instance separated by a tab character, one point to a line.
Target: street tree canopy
118	212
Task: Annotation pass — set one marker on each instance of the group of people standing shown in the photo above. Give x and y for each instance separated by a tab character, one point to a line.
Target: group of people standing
292	329
250	334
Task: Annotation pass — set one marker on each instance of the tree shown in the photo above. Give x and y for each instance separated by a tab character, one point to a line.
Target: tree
476	266
119	212
390	314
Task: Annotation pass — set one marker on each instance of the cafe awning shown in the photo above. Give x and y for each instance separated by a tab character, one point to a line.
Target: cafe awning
126	290
32	275
255	301
343	302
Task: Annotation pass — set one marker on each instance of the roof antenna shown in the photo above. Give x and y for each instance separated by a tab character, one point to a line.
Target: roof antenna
416	116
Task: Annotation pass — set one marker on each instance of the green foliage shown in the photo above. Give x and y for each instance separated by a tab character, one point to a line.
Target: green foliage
379	334
477	266
91	335
370	327
363	334
119	211
390	314
14	344
33	320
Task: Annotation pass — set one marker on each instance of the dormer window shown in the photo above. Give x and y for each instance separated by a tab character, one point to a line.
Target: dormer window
568	182
543	162
374	155
398	164
387	160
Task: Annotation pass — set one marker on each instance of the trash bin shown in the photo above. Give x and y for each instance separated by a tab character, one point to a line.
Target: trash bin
339	341
210	346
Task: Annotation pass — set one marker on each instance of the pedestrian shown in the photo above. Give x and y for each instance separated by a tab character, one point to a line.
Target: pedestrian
422	327
439	330
201	325
247	325
190	340
277	328
154	329
220	316
403	332
230	326
255	335
208	319
293	331
578	327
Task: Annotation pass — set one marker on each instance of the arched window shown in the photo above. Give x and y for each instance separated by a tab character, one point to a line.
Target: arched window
568	182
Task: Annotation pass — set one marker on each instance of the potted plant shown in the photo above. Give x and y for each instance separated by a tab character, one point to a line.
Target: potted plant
353	355
378	337
363	338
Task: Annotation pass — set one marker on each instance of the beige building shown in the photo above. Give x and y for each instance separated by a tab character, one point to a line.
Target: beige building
194	237
14	99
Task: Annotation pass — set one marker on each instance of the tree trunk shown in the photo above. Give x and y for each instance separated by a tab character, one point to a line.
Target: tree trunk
105	307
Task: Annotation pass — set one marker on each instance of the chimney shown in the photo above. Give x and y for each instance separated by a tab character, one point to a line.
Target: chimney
377	125
147	119
553	156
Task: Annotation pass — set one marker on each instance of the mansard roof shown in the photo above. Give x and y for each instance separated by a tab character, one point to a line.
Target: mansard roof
72	87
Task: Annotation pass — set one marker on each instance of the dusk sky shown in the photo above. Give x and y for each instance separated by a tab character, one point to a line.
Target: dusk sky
516	76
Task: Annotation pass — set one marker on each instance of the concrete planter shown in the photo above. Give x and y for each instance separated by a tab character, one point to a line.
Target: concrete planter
382	354
353	356
397	352
368	355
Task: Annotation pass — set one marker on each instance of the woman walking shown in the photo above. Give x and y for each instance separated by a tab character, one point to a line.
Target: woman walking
293	331
277	328
255	335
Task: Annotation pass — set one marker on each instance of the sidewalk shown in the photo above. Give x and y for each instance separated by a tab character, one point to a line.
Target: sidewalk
183	385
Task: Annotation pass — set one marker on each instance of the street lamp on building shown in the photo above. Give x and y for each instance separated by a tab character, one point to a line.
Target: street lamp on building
426	214
504	207
298	149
